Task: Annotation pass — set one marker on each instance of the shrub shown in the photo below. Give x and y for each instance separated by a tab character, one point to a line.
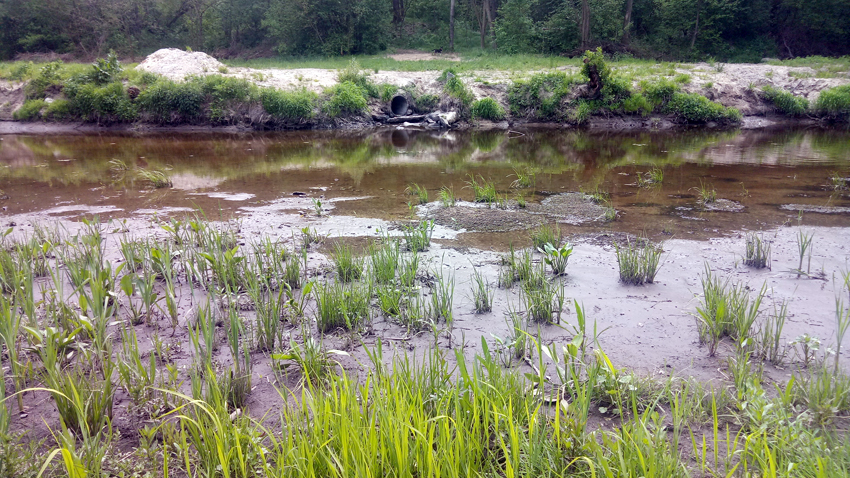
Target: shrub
345	98
695	108
354	74
48	75
107	103
660	92
105	70
637	103
223	93
487	108
540	96
615	91
455	88
58	110
29	111
595	59
288	105
834	102
785	102
166	101
426	103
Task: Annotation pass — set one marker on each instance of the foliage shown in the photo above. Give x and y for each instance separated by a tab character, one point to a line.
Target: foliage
103	104
455	88
167	101
30	110
514	28
785	101
294	105
345	98
695	108
540	96
834	102
488	109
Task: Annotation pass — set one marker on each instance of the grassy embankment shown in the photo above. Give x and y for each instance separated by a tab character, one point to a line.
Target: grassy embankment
440	414
107	93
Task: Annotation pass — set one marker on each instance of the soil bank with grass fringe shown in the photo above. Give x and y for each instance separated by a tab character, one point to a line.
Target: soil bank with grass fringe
176	89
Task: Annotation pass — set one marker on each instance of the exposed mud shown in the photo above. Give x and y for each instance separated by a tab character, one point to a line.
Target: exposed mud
352	188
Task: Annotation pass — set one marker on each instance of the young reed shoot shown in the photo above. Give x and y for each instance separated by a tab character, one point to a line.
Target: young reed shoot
419	191
758	252
546	234
482	293
639	264
447	197
417	237
348	267
341	306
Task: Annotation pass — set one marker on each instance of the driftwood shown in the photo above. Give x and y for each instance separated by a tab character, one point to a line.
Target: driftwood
406	119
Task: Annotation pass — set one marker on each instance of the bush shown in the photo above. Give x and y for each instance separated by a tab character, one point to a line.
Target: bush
638	103
166	101
488	109
48	75
540	96
29	111
595	59
354	74
660	92
105	70
615	91
59	110
426	103
91	102
455	88
695	108
834	102
288	105
785	102
345	98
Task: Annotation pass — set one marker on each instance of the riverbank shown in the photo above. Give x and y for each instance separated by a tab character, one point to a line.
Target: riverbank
173	88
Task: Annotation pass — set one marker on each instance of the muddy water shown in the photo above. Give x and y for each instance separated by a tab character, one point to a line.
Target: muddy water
764	177
763	180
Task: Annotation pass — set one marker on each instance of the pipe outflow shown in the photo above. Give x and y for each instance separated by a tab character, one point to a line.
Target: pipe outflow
398	105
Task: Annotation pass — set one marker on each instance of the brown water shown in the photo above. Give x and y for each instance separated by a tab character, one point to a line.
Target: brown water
765	177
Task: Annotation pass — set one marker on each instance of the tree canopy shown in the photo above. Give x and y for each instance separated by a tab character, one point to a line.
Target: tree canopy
729	30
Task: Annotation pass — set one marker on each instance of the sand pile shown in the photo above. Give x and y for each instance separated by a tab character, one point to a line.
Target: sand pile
177	64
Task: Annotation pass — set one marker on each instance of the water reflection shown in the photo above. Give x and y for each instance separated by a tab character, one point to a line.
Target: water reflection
762	170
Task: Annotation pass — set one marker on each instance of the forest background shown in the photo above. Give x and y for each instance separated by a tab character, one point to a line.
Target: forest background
679	30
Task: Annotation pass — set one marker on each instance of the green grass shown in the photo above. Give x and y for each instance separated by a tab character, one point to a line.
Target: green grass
488	109
417	237
785	102
482	293
546	234
420	192
727	309
758	252
695	108
638	263
834	102
348	267
341	306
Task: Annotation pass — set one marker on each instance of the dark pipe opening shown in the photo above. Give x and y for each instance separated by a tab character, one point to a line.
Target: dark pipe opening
398	105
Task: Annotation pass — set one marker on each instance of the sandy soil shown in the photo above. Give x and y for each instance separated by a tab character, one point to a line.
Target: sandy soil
730	84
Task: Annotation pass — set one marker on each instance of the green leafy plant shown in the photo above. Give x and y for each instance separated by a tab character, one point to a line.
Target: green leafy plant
557	258
488	109
758	252
639	264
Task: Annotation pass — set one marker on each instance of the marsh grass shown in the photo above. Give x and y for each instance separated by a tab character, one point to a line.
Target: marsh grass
417	237
546	234
447	197
525	178
653	177
442	295
390	299
341	306
483	191
348	267
384	259
638	263
419	191
482	293
316	364
758	252
706	192
727	309
769	344
804	244
544	301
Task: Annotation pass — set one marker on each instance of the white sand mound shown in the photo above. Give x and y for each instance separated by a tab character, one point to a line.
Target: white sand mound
177	64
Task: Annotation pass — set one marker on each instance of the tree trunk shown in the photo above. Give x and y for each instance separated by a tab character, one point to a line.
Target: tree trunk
627	22
452	25
696	26
398	12
585	25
